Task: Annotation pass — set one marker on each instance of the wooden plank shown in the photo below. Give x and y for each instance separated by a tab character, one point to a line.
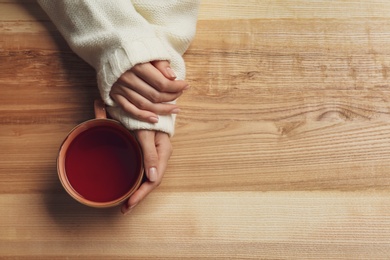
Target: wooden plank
281	148
244	225
297	9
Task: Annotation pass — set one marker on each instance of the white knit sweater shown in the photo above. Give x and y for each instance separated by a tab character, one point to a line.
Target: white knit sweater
114	35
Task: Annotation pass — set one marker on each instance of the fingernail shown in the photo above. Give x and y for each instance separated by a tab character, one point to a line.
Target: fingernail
126	209
153	119
186	87
171	72
152	175
175	111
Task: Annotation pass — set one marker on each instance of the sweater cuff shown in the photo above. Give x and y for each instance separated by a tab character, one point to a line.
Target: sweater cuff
117	61
165	123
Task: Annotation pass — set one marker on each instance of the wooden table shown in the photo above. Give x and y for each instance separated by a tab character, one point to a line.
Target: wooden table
282	148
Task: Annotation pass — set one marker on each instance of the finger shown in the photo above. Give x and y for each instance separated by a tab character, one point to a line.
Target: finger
130	80
152	76
165	68
146	138
144	104
132	110
164	150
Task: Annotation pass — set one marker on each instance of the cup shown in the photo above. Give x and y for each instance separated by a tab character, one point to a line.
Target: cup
100	162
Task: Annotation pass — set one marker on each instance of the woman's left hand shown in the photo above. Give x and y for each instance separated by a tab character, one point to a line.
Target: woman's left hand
144	91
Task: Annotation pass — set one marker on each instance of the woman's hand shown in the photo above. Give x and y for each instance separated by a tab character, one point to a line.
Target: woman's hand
143	91
157	150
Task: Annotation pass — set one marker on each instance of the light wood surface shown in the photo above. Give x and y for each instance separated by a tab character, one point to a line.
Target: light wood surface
282	148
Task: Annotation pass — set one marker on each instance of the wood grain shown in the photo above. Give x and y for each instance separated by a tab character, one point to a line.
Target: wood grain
202	225
281	150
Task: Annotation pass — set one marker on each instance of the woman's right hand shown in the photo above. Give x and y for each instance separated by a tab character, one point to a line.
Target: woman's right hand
157	149
143	91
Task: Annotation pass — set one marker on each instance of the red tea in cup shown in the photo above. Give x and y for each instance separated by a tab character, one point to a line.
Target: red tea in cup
100	162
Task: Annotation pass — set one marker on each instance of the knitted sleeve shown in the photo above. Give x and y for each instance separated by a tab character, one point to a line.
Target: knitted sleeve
115	35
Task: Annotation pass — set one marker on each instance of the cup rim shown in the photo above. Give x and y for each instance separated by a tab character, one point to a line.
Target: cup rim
76	131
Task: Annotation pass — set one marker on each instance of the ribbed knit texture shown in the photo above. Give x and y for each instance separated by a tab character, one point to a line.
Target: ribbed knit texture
115	35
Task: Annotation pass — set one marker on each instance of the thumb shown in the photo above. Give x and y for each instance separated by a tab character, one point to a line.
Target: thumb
146	139
165	68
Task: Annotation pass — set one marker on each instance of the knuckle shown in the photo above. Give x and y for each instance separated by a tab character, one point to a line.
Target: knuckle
153	158
142	104
163	85
126	107
155	97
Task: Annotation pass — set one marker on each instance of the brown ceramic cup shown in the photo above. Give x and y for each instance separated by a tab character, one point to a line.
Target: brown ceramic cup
100	162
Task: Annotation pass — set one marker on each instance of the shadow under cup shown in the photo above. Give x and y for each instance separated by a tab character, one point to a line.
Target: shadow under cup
100	162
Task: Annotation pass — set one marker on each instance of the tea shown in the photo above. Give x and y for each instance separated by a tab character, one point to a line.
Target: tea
102	164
